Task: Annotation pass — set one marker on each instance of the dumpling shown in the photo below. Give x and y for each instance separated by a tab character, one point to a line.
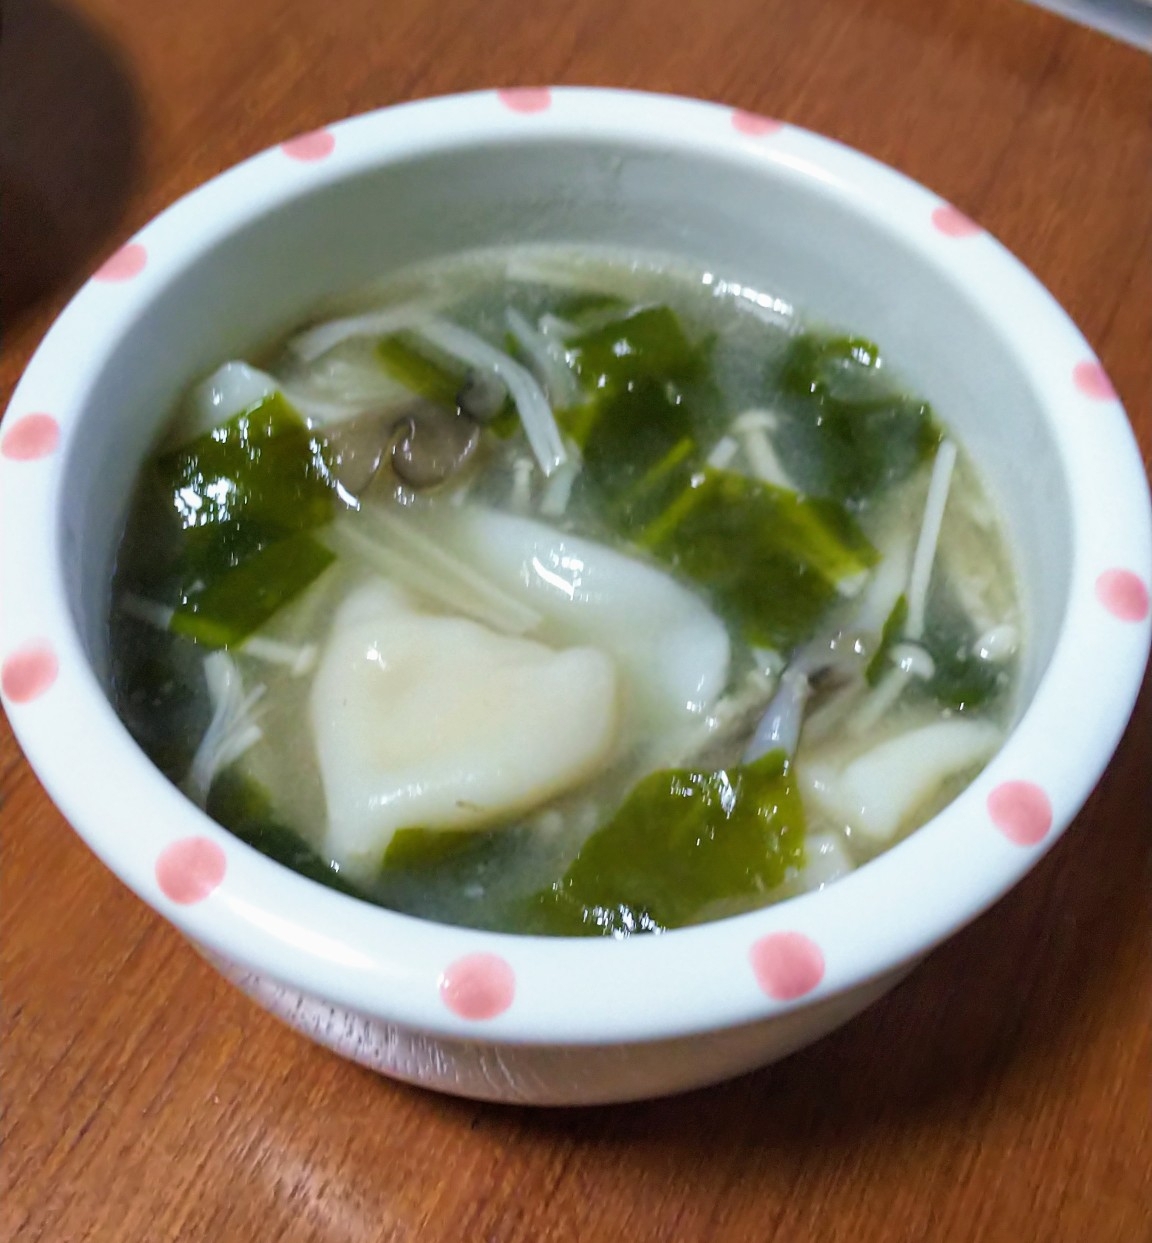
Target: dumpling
671	650
876	793
426	721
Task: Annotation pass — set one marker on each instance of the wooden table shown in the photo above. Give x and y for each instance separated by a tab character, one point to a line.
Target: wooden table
1004	1092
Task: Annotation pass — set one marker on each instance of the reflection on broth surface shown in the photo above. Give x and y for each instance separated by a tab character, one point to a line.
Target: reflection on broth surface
549	590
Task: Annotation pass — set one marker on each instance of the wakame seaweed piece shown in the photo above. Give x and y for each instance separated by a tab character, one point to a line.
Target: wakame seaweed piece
769	559
646	498
160	692
627	437
961	681
245	493
682	841
240	599
419	850
252	480
644	384
646	343
244	809
847	432
890	634
421	368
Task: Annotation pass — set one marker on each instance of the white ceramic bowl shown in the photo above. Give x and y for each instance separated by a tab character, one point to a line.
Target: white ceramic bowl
853	243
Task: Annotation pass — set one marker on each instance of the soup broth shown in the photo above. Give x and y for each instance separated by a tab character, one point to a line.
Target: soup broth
559	591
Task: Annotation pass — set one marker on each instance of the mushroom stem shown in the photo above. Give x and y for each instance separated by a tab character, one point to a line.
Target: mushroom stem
925	555
535	413
752	428
521	496
779	728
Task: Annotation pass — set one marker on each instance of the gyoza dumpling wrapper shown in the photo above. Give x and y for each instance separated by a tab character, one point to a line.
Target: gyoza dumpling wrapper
432	722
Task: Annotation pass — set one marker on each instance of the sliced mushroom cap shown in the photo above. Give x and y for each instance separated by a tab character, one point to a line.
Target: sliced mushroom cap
482	395
434	443
422	443
358	447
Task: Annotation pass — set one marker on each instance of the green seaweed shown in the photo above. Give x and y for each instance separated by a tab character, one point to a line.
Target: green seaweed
626	435
421	850
961	681
682	841
769	559
645	343
244	807
239	600
846	431
890	635
244	495
249	482
422	370
639	374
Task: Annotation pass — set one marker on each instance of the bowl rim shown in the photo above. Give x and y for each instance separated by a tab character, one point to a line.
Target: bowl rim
527	990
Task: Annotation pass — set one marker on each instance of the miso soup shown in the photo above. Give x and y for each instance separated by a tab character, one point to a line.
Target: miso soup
551	590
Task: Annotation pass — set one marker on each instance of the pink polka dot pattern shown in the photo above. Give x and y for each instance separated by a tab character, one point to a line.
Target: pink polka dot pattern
952	222
478	987
1092	380
526	98
1123	594
29	672
317	144
1021	811
754	124
127	262
33	436
787	965
190	869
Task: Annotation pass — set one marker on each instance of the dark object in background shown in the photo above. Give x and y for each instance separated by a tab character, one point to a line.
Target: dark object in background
69	150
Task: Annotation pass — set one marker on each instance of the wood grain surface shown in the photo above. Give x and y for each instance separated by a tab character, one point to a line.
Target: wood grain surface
1003	1093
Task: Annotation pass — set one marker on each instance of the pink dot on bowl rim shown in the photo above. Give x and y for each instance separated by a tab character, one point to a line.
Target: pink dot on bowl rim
33	436
526	98
314	145
478	986
1092	380
190	869
127	262
787	965
755	124
1021	811
29	672
952	222
1123	594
